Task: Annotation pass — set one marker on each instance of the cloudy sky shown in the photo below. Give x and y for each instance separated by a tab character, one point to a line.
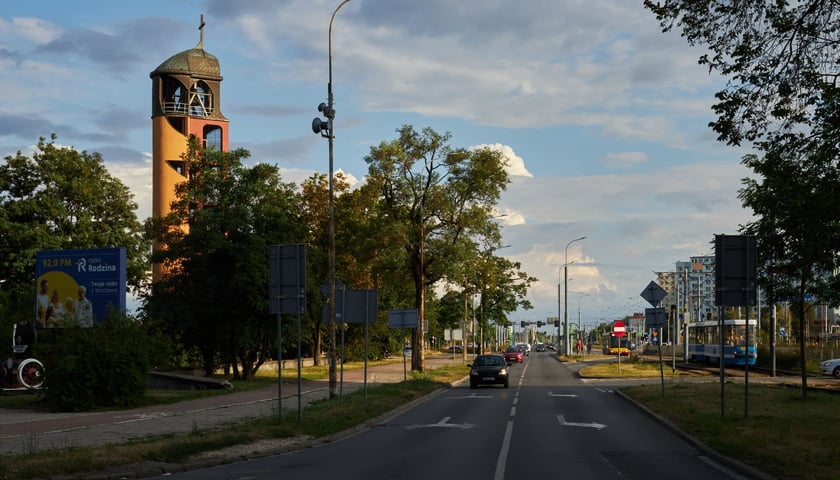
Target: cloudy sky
603	118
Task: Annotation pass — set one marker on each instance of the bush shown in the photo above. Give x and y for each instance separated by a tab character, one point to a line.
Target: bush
103	366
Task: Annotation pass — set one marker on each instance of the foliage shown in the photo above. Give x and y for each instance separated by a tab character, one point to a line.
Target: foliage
797	237
103	366
777	55
780	61
60	198
429	201
213	296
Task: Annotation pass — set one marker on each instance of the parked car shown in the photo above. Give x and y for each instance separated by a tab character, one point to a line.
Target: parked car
514	354
489	370
831	367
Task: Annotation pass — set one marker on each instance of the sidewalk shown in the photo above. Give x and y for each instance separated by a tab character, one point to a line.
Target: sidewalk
25	431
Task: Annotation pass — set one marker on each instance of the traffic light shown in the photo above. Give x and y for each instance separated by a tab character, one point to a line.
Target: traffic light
522	323
540	323
557	323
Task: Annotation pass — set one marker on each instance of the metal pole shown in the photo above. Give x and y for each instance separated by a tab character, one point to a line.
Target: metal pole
333	380
566	298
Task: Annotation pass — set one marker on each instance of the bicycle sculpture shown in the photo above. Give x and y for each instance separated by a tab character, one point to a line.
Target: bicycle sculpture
22	371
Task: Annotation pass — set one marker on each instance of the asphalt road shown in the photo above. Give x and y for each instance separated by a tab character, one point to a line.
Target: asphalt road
548	423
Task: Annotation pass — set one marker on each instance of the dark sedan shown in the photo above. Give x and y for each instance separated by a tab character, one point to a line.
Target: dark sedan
514	354
488	370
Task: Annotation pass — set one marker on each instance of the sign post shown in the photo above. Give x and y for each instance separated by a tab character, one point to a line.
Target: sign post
654	294
619	330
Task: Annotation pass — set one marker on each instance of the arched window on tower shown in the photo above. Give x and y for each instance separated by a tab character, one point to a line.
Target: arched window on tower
201	100
213	137
174	96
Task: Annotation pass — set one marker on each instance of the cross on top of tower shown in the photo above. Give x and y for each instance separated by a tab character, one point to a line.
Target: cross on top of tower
201	33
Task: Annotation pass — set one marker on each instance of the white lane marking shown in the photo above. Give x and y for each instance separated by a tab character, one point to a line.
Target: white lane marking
512	411
564	423
570	395
502	460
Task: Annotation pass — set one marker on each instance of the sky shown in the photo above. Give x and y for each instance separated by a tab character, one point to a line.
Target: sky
603	118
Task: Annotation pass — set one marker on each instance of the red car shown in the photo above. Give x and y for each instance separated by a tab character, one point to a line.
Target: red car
514	354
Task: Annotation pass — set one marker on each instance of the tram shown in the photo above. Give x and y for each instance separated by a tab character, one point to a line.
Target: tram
704	342
613	345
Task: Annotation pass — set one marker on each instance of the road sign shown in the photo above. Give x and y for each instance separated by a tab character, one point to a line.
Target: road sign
653	293
618	328
655	318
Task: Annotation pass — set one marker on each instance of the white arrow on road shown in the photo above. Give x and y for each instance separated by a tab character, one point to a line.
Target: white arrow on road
474	395
443	423
570	395
564	423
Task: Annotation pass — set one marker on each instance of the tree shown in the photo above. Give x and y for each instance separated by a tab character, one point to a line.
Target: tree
777	56
61	198
797	233
429	197
214	294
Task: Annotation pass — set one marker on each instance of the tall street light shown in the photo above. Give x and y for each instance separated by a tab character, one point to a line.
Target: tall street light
580	330
566	298
325	128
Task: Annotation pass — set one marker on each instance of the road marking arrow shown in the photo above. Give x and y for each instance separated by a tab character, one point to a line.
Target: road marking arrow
443	423
564	423
474	395
570	395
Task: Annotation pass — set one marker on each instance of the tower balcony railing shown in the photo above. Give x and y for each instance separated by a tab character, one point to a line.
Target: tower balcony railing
186	109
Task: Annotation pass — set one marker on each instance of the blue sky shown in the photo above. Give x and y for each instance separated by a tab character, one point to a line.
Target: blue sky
602	117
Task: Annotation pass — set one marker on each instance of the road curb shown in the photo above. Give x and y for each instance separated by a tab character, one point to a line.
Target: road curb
736	465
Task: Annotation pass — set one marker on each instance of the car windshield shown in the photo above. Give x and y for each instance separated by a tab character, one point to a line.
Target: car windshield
488	361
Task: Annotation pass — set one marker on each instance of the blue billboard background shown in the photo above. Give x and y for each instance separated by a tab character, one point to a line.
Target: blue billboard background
79	287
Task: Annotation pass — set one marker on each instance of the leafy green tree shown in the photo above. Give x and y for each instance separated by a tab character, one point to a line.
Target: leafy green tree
429	197
796	229
776	55
214	294
60	198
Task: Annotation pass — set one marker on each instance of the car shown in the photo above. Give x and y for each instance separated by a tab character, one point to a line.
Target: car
831	367
490	369
539	348
514	354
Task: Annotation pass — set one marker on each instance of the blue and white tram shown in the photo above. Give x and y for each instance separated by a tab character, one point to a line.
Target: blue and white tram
704	342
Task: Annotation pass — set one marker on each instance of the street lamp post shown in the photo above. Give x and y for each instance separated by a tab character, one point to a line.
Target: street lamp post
566	298
579	324
325	128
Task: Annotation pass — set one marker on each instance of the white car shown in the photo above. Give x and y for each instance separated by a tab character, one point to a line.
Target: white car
831	367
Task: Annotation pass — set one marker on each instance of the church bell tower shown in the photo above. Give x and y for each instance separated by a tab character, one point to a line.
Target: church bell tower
185	102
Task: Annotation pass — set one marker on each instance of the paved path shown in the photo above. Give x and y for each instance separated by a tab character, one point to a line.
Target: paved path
26	431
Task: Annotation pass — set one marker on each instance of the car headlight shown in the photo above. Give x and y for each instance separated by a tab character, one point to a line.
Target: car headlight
503	371
473	372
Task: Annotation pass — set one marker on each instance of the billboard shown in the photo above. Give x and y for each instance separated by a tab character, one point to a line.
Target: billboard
78	287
